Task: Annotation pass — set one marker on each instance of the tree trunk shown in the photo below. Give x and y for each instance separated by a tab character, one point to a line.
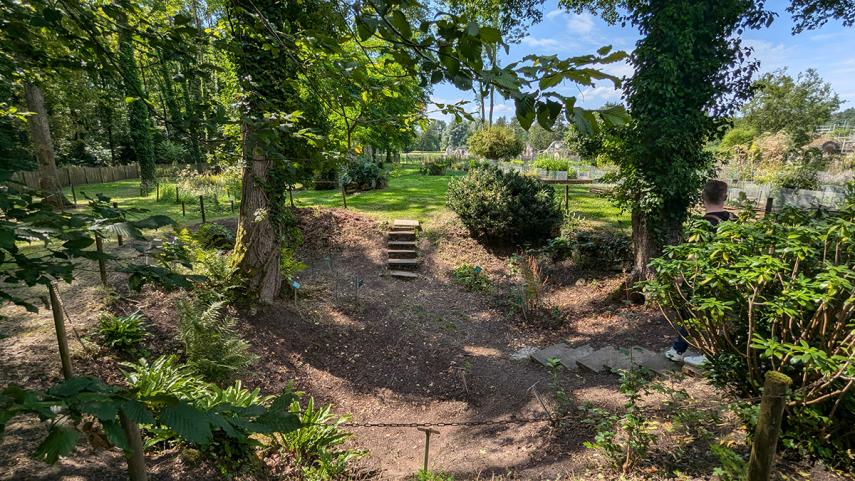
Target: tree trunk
139	117
43	146
257	247
650	233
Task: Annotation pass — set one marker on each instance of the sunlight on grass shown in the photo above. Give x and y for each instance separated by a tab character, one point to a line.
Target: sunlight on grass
408	195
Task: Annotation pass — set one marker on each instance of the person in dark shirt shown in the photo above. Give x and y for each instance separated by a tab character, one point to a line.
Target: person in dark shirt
714	196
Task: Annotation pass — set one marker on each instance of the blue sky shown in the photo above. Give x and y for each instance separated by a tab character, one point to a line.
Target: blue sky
830	50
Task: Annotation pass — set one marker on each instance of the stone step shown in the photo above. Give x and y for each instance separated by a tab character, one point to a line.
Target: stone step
403	263
568	356
402	235
406	224
403	274
402	244
610	359
402	253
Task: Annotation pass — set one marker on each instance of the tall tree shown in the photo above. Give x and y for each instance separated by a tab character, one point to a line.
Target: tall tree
43	145
139	118
797	106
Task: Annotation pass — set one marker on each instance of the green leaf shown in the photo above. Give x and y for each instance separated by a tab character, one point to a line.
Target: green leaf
490	34
72	386
547	113
79	243
401	24
154	222
550	81
525	110
190	423
115	434
137	412
59	442
615	115
604	50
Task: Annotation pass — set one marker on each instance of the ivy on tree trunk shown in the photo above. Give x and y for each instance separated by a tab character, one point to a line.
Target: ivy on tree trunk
43	146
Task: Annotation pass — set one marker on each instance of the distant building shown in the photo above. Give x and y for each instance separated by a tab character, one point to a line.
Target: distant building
557	150
458	152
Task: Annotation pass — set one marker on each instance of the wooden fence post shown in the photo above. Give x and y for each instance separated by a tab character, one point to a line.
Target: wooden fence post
134	455
118	236
769	202
202	207
344	195
183	209
566	197
59	324
291	195
177	200
157	192
768	426
102	268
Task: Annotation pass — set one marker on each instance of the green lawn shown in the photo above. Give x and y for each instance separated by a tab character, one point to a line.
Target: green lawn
409	195
127	194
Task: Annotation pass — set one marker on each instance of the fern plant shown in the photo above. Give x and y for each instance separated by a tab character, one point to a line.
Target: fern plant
213	346
314	446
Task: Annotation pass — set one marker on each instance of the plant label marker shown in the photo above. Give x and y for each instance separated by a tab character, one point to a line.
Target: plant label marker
358	283
428	432
295	284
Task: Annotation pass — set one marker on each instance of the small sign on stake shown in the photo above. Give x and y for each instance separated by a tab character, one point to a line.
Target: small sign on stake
295	284
358	283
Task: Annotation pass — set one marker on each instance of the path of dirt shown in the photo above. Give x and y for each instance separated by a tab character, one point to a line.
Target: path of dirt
419	351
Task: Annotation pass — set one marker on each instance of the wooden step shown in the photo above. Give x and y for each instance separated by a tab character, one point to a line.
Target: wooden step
403	263
408	224
402	253
403	274
402	235
402	244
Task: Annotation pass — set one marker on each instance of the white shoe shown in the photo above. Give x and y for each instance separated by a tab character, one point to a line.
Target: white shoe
695	361
673	355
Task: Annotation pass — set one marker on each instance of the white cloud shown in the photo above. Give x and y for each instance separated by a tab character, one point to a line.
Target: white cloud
536	42
772	56
600	95
554	13
581	23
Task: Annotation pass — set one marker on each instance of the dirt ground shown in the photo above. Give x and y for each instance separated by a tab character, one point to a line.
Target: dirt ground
421	351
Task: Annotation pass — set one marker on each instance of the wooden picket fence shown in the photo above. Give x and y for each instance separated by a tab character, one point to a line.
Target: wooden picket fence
77	175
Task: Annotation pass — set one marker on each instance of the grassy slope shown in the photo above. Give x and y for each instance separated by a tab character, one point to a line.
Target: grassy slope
409	195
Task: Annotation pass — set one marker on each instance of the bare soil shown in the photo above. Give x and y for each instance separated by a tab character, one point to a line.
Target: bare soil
423	351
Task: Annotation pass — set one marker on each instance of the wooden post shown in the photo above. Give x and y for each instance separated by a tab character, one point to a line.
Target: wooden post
202	207
291	195
118	236
232	202
344	195
102	269
769	202
183	209
157	192
71	184
566	197
177	200
768	426
134	455
59	324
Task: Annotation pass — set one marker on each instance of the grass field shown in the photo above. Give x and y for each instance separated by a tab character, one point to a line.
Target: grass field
408	195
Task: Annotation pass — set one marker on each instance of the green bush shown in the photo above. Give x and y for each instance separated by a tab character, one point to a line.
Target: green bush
123	333
774	295
435	166
495	143
214	236
551	164
601	248
213	346
504	208
365	175
471	277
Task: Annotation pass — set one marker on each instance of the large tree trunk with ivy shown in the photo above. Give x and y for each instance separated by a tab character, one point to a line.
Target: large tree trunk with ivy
689	54
43	146
258	244
139	119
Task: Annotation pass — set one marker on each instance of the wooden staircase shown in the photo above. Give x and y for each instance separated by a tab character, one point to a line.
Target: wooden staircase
402	249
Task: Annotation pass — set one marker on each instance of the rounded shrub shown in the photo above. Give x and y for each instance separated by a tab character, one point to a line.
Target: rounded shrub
504	207
214	236
365	175
497	142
